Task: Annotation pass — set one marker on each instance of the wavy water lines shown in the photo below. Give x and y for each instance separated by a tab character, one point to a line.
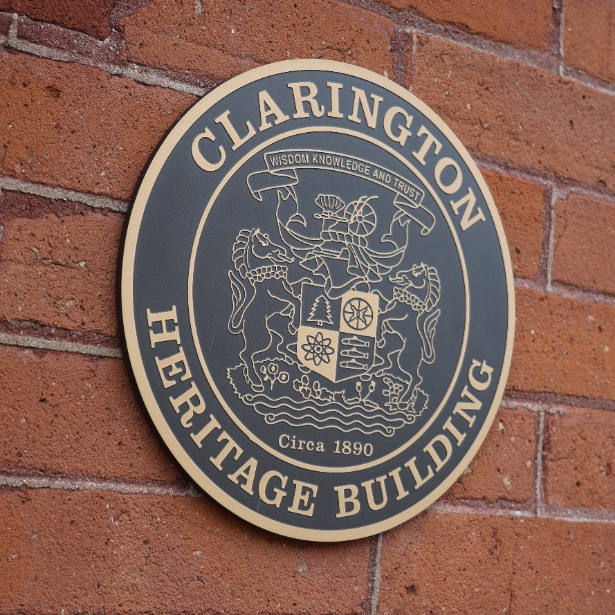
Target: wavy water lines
284	406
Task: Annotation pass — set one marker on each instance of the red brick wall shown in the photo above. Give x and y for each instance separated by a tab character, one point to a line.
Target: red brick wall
95	516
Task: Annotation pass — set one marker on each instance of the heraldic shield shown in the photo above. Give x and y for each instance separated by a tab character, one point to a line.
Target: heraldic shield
337	337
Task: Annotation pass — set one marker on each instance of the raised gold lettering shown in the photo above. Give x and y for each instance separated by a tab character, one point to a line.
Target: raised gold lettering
450	427
238	141
335	99
484	369
301	500
347	500
368	485
194	402
301	99
198	156
387	122
418	479
461	406
268	107
435	454
401	490
453	186
468	202
166	334
370	114
247	471
230	447
279	493
429	142
176	364
205	431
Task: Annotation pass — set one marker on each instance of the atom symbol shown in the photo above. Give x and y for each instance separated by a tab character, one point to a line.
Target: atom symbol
358	314
318	349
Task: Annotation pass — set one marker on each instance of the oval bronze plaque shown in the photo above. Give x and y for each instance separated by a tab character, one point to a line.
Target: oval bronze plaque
317	300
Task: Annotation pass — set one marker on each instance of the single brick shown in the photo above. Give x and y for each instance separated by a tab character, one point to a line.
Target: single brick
5	23
103	552
523	23
78	127
57	408
519	204
563	346
584	246
89	16
70	41
225	38
503	468
468	564
515	112
580	459
589	37
59	269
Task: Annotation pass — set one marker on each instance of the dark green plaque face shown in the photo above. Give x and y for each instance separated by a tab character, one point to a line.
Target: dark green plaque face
317	300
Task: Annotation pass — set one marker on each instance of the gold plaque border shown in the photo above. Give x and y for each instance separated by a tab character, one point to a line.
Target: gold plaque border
127	281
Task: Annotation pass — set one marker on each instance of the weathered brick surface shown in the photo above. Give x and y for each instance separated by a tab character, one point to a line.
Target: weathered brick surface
225	38
440	563
89	16
589	37
584	244
71	41
5	23
64	124
79	127
519	204
58	408
579	463
515	112
58	269
523	23
563	346
503	468
104	552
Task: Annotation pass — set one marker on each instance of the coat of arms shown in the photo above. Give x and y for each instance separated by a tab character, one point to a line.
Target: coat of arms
336	331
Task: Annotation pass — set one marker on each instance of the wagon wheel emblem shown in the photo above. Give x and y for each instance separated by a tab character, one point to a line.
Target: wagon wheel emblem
358	314
361	217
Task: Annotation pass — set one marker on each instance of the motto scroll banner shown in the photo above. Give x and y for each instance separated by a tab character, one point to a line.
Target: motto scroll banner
282	173
317	300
